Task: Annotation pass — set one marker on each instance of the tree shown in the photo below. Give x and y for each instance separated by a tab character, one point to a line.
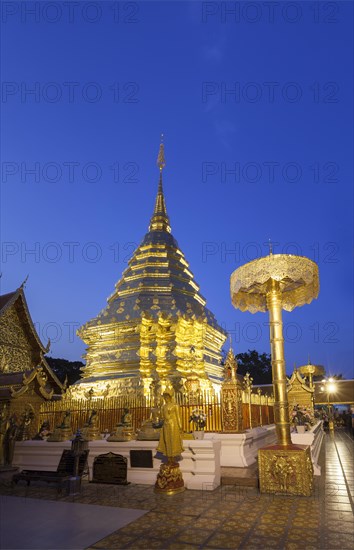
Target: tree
258	365
64	368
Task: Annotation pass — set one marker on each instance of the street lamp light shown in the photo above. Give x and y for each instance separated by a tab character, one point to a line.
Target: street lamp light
329	387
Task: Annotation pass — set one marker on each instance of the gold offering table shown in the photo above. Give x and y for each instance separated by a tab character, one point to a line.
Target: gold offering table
273	283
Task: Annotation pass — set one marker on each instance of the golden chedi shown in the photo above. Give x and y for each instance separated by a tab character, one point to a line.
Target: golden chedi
156	325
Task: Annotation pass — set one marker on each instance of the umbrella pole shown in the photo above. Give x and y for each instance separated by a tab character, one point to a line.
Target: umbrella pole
281	405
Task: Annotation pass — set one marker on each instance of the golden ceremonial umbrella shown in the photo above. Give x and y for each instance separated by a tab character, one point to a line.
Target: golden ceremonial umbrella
273	283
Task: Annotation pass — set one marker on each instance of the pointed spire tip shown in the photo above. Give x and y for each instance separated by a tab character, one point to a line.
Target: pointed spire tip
161	162
160	220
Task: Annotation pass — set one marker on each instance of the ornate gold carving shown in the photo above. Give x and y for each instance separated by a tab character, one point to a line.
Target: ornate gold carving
164	339
231	399
15	347
231	396
298	391
285	470
169	479
146	341
297	277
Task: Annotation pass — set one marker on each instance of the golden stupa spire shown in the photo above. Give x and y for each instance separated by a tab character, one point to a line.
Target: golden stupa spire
160	220
161	163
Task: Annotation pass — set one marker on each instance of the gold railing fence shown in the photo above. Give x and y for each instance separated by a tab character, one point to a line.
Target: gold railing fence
110	410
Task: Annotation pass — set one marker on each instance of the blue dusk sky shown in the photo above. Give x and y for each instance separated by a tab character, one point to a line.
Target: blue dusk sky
255	103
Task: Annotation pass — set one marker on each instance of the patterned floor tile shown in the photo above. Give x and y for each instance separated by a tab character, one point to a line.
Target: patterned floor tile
120	541
165	531
224	540
263	542
342	526
271	531
182	546
207	523
194	536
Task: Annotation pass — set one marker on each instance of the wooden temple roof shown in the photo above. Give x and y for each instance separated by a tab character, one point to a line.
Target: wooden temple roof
46	378
17	299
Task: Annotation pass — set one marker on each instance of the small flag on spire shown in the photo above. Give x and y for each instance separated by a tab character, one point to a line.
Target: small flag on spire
161	163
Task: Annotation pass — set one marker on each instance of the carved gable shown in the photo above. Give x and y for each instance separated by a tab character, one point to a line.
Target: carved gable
15	346
298	391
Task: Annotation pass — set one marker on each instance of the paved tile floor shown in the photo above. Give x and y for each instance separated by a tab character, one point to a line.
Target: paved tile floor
229	517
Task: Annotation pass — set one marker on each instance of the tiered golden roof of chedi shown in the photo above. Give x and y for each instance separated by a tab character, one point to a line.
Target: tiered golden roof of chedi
156	324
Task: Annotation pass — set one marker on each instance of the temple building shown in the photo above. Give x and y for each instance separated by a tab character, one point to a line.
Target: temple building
156	326
26	379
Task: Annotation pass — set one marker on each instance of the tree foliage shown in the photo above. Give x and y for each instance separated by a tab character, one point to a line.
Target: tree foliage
257	364
64	368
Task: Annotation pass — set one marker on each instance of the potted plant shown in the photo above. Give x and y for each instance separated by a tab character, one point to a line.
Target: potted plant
198	417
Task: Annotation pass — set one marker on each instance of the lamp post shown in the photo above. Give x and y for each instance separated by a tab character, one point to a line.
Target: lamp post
259	391
329	387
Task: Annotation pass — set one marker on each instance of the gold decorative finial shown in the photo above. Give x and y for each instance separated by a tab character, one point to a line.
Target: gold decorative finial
270	247
161	163
160	220
24	282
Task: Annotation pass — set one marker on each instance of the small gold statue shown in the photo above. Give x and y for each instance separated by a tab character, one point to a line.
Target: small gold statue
44	432
169	479
170	443
124	430
63	432
9	441
150	429
91	430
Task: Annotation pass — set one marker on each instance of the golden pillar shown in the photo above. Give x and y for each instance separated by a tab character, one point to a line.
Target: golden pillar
281	406
273	283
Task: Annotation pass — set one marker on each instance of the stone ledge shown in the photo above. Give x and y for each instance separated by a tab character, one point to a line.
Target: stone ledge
200	462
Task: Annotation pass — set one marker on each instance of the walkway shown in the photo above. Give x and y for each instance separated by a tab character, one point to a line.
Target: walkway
230	517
